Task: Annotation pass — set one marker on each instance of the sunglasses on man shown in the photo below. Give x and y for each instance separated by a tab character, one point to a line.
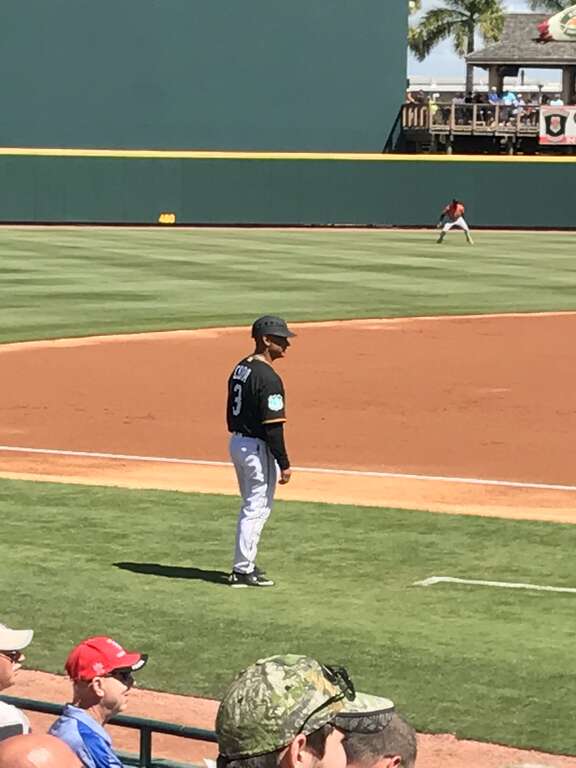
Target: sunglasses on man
14	656
124	675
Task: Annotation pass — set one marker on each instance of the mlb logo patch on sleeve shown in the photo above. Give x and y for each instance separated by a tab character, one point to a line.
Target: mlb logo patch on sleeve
275	402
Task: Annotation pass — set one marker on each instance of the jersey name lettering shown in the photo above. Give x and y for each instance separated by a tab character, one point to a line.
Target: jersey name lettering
241	373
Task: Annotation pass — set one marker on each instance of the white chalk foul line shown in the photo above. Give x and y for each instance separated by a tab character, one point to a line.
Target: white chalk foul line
312	470
112	456
479	582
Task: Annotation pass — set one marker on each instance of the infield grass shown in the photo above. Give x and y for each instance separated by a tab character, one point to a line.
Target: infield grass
149	568
58	282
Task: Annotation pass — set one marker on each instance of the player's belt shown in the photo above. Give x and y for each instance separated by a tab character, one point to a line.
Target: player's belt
243	434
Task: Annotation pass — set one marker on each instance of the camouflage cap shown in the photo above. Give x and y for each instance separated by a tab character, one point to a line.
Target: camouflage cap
271	702
366	714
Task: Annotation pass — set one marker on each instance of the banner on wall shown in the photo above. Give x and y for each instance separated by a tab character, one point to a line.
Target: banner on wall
558	125
559	28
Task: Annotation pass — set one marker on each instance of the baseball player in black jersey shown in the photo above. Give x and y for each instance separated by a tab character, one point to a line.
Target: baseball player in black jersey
256	413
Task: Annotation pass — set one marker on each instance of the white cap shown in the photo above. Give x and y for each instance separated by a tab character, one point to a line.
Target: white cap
14	639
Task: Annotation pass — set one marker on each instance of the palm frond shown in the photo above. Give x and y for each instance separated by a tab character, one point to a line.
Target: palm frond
458	19
435	26
467	7
491	24
475	8
460	39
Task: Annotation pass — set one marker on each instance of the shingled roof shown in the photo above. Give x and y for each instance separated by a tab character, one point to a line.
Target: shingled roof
519	45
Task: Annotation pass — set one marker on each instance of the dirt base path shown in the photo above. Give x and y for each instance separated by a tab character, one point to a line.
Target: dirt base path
402	493
390	413
438	751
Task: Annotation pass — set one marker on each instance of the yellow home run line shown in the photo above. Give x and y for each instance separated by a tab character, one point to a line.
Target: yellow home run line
173	154
312	470
479	582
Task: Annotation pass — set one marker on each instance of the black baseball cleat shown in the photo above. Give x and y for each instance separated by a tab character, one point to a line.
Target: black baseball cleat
254	579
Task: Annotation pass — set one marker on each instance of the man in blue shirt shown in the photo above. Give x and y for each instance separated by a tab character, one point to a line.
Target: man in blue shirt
102	677
494	96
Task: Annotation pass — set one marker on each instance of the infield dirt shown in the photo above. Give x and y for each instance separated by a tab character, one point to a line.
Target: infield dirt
489	398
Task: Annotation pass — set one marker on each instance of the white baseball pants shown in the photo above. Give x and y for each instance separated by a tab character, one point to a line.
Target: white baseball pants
459	222
256	472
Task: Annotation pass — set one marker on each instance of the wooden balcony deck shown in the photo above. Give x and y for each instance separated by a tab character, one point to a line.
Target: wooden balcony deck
471	119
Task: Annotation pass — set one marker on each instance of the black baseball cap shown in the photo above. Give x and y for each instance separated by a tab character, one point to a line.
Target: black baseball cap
270	325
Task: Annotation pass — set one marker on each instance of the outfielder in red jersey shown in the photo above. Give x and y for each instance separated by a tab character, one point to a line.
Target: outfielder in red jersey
453	216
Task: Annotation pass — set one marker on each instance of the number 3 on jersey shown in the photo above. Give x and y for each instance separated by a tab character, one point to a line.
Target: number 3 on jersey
237	399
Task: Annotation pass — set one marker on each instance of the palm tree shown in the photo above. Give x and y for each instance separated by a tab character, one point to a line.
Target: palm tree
460	20
550	5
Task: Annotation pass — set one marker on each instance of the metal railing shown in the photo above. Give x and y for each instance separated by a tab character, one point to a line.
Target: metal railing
145	726
472	119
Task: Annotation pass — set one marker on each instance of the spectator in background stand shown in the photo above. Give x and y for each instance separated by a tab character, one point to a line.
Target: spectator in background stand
494	100
482	114
509	101
458	102
557	101
494	96
519	112
12	642
433	107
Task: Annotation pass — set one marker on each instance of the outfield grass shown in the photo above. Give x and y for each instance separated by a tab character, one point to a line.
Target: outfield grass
482	663
75	282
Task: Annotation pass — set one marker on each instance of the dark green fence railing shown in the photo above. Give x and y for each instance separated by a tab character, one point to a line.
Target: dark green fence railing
144	725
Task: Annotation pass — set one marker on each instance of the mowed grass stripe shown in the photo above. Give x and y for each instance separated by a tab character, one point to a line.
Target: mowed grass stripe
484	664
77	282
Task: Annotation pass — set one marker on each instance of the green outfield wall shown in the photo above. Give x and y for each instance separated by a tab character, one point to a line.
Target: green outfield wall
307	75
291	190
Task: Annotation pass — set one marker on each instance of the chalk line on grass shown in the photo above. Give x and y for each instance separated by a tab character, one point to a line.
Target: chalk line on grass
429	582
311	470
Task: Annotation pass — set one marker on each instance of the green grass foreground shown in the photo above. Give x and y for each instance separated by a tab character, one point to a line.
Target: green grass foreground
489	664
75	282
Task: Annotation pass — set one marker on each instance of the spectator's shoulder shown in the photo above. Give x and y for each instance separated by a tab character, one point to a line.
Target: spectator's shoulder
13	722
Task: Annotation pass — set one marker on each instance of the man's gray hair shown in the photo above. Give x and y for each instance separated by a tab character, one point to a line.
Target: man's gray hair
365	744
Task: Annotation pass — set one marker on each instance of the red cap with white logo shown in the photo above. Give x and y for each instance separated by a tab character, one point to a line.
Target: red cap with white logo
98	656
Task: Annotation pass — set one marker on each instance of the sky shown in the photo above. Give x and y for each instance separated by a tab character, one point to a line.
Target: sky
442	62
